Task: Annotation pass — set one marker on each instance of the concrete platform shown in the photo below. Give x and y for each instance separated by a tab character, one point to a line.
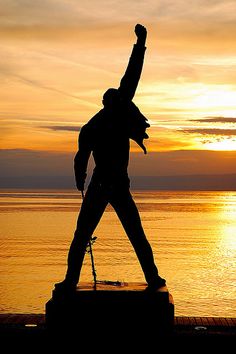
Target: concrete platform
29	333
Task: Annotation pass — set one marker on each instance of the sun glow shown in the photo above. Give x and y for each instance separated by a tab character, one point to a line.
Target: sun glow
209	98
223	145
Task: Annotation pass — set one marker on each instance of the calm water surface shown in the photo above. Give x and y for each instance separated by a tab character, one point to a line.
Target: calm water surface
193	235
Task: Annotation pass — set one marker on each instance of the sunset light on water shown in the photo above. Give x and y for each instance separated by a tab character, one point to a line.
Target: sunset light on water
192	234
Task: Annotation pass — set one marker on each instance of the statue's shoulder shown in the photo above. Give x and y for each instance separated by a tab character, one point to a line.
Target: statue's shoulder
95	120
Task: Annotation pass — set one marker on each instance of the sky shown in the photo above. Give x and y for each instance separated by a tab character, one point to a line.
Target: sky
58	57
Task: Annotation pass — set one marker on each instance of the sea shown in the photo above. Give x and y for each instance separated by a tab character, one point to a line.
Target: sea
192	234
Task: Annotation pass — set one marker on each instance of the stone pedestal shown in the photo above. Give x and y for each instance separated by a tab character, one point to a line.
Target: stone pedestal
118	311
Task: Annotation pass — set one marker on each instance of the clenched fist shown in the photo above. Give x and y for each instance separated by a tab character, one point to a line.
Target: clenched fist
140	32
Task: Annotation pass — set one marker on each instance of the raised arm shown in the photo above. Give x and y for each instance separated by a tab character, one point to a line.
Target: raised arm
130	80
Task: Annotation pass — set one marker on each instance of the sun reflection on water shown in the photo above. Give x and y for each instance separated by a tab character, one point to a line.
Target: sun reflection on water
227	229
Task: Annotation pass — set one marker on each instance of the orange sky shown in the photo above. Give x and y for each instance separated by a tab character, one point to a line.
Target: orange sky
58	58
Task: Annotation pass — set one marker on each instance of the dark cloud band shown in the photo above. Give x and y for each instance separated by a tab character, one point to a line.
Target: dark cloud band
63	128
216	120
221	132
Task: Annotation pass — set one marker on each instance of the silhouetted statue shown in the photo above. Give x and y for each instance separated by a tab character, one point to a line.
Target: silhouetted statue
107	136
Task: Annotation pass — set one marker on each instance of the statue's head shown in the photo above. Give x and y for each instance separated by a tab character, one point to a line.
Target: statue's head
111	98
